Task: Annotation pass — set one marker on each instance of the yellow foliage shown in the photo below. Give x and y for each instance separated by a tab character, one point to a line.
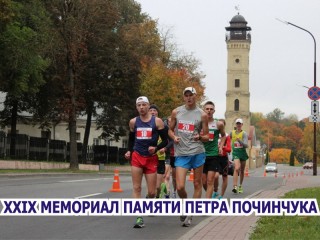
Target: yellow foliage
164	86
280	155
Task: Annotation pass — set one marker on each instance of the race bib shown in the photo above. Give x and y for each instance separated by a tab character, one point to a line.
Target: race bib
237	145
211	135
144	133
185	126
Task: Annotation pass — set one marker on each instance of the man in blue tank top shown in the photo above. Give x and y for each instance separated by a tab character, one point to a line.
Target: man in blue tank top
143	145
187	121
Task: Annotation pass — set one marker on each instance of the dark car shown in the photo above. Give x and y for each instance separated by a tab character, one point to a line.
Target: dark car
308	165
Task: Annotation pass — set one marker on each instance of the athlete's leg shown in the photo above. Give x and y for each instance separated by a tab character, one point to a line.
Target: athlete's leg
136	174
242	168
181	174
236	172
197	182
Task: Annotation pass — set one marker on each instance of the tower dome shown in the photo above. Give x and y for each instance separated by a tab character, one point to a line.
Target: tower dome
238	29
238	19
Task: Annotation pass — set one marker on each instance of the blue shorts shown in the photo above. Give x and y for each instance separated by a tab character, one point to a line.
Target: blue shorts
189	162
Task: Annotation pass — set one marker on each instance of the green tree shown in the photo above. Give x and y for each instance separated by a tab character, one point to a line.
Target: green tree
291	159
276	115
22	62
267	159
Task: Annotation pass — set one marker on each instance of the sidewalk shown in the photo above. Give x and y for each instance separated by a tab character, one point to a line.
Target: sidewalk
239	228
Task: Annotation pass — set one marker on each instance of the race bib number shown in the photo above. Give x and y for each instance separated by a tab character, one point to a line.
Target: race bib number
237	145
144	133
211	135
186	127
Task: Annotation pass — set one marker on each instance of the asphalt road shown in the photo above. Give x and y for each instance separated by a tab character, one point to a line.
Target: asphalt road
98	186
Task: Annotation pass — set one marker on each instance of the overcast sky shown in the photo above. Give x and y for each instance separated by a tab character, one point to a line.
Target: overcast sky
281	56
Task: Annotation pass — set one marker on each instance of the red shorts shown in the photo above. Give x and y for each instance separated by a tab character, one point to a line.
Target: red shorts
148	164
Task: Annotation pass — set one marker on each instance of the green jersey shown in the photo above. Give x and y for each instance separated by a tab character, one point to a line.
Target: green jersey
212	148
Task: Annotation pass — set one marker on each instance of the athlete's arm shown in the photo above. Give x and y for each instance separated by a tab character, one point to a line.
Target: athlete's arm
132	122
244	140
163	133
222	132
227	145
172	125
205	129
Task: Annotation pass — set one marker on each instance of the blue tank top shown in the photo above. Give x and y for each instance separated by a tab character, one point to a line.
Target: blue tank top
146	135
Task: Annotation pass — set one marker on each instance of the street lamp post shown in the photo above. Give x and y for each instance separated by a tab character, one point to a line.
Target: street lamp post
314	84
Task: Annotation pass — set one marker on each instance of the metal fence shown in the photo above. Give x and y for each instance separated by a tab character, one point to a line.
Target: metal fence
43	149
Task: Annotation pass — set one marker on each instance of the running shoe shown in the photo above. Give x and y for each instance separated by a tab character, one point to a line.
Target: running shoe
235	189
215	194
187	222
220	197
240	190
174	195
139	223
182	218
167	195
163	190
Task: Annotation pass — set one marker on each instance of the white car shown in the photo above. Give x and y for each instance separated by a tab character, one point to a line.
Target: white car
272	167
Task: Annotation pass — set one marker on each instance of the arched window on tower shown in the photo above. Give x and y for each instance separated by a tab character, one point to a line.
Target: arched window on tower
236	105
237	83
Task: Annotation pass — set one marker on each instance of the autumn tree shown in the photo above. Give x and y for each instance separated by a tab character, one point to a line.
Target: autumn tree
164	78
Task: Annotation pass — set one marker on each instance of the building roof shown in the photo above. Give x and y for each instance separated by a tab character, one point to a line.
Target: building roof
238	19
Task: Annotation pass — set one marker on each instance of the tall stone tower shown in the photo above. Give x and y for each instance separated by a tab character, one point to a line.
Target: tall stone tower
238	41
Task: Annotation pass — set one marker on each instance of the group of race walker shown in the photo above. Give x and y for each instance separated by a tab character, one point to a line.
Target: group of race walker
191	139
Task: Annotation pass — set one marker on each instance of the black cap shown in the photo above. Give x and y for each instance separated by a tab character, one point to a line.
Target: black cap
153	106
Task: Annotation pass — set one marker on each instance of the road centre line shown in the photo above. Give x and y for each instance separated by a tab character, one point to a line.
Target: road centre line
84	180
89	195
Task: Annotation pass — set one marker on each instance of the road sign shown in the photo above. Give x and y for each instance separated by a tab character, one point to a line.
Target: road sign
314	118
314	93
314	108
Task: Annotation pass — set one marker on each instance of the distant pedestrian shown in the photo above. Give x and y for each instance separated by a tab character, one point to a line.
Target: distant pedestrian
145	130
239	141
187	121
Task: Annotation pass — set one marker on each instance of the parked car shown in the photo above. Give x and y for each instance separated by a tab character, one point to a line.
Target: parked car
308	165
272	167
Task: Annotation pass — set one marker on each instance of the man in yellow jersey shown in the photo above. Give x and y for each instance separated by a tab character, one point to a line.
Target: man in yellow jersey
239	141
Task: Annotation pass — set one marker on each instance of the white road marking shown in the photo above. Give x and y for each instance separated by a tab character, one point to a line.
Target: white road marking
89	195
84	180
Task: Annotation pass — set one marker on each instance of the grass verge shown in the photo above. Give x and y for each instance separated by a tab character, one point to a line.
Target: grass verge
290	227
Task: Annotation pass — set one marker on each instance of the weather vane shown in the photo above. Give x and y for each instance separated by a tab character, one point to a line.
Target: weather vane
237	8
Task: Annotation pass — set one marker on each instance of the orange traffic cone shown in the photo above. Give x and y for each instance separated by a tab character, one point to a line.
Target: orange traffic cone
191	176
246	174
116	182
264	173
